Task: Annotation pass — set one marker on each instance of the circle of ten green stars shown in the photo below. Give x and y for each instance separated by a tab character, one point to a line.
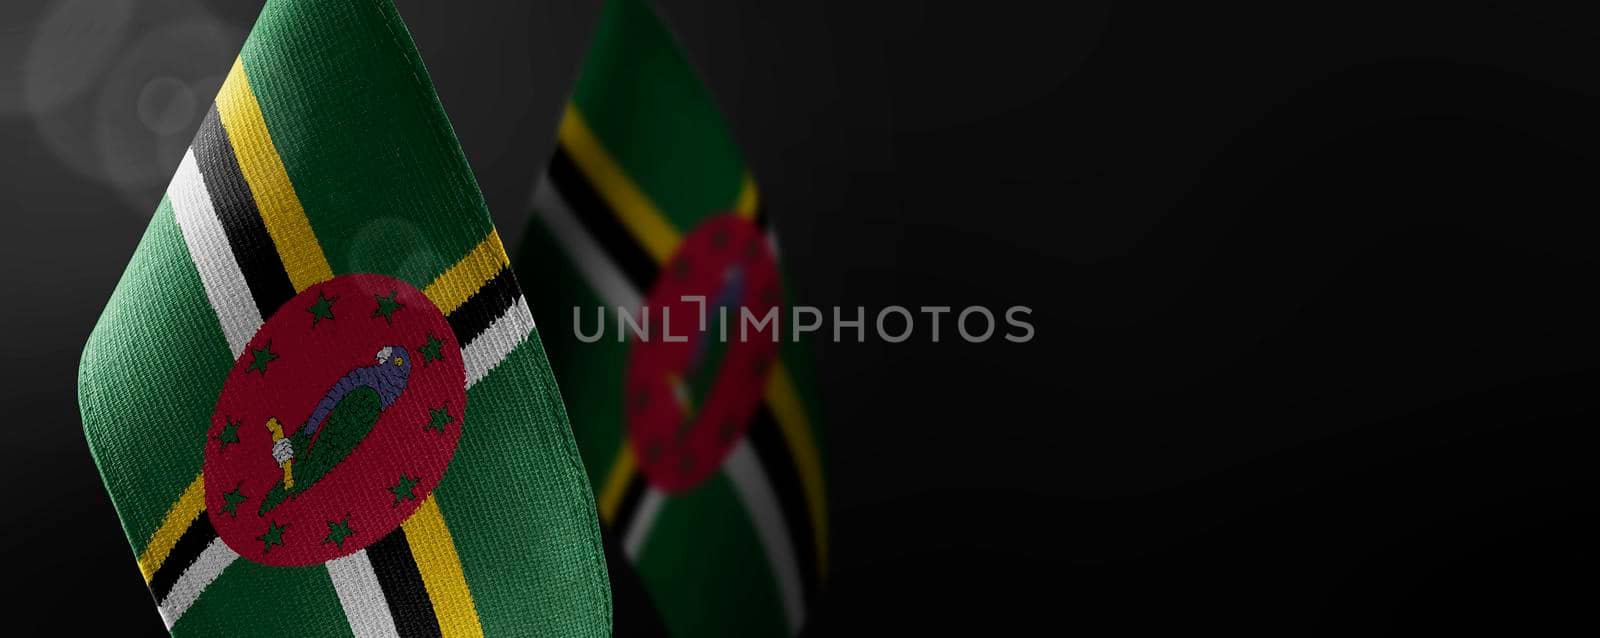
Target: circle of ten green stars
260	360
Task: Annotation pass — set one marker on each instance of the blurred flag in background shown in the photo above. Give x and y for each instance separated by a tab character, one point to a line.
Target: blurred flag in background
704	453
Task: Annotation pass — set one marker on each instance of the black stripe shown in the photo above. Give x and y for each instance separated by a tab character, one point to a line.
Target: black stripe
768	443
193	541
402	585
633	611
629	505
601	222
241	220
484	306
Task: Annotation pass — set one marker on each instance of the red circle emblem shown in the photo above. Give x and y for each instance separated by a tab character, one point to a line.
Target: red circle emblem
689	402
335	423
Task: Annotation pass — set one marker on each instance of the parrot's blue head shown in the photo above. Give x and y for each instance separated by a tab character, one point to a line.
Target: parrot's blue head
394	362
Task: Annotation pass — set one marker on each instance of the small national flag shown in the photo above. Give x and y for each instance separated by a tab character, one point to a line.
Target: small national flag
704	453
317	397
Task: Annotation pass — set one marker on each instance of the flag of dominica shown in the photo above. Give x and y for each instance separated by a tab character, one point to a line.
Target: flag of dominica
705	453
317	397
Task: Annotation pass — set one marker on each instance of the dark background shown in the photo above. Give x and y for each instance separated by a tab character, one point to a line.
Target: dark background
1312	285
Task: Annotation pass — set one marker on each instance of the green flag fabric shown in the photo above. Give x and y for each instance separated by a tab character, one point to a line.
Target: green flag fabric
705	454
316	397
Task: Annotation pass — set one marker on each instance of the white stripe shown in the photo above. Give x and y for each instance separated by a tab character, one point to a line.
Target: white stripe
750	481
497	341
361	596
213	257
205	568
643	519
591	260
772	242
239	318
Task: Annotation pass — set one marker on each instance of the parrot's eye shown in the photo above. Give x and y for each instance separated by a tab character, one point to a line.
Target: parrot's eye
399	361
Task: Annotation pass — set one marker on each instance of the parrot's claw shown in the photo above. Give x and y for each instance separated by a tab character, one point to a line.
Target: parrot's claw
282	451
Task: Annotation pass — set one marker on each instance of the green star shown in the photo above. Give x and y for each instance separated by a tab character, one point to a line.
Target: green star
274	536
386	306
431	351
262	357
228	436
338	531
323	309
405	490
440	417
231	501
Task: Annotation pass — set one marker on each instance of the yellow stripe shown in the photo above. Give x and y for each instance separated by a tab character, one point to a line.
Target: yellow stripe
426	531
791	417
748	198
435	553
638	214
616	484
263	170
176	522
457	284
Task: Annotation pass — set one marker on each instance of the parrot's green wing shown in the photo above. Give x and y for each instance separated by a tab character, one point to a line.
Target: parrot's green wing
348	423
